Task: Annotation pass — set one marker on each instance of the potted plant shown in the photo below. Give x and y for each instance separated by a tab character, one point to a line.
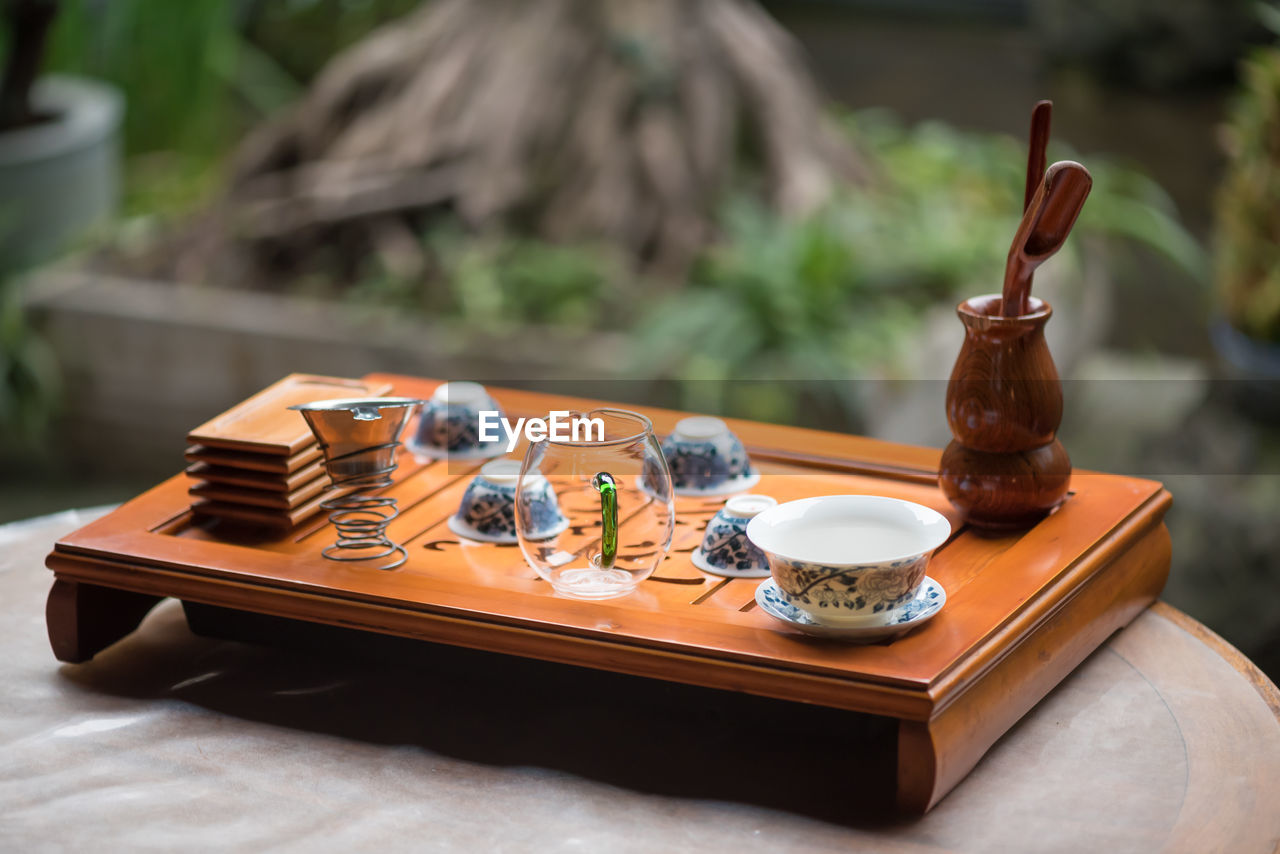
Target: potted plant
1247	250
59	152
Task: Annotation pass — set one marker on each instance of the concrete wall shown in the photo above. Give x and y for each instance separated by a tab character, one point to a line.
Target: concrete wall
144	362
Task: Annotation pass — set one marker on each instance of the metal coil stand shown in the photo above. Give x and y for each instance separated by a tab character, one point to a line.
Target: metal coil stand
359	516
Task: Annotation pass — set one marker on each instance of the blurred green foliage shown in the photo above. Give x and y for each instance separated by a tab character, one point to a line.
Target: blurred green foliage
834	295
781	307
498	284
812	299
1247	250
197	74
30	383
161	54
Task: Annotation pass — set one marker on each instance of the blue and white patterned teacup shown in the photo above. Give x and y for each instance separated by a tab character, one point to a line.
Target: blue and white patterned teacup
725	549
450	424
849	560
706	458
487	511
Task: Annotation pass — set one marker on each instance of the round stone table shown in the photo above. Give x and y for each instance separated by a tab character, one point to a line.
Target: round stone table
1165	739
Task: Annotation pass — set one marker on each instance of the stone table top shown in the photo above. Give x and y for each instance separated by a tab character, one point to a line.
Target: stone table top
1165	739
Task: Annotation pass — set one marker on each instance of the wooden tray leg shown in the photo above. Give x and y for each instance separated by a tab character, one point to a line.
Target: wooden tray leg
935	755
84	619
933	758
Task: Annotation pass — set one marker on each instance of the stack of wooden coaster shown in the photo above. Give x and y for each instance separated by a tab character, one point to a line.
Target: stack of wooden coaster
258	463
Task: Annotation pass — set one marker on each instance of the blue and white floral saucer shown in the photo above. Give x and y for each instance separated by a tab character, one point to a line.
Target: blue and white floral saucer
900	620
462	529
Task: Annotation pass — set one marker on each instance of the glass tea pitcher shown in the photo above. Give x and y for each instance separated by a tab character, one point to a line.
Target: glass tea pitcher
613	485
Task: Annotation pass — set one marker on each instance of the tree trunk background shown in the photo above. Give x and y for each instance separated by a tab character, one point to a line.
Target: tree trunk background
616	120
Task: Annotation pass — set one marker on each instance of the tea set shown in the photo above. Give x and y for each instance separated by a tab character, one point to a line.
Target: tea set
848	567
841	567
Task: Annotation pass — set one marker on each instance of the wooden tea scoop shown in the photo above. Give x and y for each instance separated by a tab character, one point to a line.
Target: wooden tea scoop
1044	227
1041	114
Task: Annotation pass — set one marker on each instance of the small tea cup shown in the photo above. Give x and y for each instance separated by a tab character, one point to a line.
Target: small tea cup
706	458
450	424
487	511
725	549
849	560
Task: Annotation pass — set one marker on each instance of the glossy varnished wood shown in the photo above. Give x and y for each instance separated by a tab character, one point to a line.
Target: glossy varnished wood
263	424
253	479
1022	609
1009	490
1041	120
934	756
1045	226
84	619
252	461
1005	467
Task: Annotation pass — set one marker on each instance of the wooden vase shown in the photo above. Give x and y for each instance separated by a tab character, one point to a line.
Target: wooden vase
1005	468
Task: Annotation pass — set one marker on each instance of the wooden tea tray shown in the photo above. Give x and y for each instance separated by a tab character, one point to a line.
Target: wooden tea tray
1022	610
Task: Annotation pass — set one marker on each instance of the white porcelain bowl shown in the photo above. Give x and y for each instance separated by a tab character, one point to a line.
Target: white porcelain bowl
849	560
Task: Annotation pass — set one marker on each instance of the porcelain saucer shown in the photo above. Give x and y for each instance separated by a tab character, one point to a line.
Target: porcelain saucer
462	529
904	618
